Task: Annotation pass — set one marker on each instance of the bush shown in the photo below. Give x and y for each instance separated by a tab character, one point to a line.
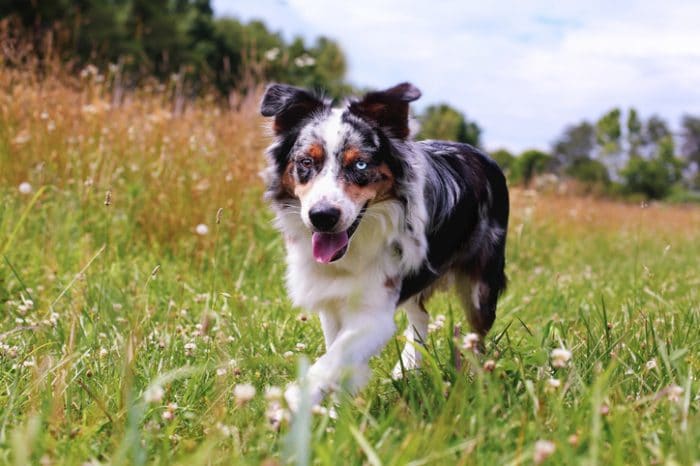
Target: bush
591	173
651	177
447	123
504	159
530	163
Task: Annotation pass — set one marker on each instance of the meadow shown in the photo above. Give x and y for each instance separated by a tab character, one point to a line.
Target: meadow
144	319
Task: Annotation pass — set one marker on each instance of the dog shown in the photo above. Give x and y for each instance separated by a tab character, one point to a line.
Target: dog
373	220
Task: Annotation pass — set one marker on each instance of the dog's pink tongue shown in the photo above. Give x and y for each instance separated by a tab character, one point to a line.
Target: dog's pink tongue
326	245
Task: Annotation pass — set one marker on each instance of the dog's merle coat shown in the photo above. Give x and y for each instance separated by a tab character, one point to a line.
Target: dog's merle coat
373	220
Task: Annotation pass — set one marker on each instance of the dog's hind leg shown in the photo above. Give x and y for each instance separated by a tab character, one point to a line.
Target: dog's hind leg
479	292
415	334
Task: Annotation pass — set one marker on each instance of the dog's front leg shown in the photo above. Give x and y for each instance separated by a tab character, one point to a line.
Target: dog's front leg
330	324
361	335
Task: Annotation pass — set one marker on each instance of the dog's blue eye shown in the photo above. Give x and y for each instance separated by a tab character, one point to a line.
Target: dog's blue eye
360	164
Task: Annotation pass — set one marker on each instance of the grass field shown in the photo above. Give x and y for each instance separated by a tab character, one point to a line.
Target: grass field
128	319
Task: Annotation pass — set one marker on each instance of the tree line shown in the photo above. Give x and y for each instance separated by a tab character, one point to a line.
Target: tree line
159	38
621	153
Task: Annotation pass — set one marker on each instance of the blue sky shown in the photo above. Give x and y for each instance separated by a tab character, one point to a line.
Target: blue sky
522	70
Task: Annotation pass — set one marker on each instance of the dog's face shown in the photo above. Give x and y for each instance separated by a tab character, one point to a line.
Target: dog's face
335	162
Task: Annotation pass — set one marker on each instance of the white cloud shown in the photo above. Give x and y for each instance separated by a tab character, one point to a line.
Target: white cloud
522	70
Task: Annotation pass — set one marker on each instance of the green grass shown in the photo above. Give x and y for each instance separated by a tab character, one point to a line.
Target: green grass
121	292
623	297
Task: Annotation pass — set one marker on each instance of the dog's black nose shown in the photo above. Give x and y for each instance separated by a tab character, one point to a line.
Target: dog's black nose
324	217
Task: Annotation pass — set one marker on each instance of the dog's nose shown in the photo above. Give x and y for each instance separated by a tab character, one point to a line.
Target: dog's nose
324	217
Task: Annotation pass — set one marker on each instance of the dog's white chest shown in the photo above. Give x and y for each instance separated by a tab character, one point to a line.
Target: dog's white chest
366	275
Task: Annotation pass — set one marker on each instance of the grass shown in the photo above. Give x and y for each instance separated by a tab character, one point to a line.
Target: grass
102	305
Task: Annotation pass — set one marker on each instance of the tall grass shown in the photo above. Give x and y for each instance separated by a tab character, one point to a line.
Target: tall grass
174	165
124	327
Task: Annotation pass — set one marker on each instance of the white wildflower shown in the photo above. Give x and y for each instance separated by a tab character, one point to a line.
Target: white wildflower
272	54
189	348
273	393
153	394
243	393
674	393
554	383
471	342
202	229
651	364
25	188
560	357
225	430
276	414
543	450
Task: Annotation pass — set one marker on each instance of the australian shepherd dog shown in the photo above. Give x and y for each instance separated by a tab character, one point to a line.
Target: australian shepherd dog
373	220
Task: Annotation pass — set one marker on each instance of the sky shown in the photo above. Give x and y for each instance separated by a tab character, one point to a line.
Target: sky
522	70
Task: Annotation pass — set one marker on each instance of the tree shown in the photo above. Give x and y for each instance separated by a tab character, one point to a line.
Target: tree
504	159
653	177
161	37
445	122
576	144
531	163
202	37
608	132
690	138
590	172
156	28
656	130
634	132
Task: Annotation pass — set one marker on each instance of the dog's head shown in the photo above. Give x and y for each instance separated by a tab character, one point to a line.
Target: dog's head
335	162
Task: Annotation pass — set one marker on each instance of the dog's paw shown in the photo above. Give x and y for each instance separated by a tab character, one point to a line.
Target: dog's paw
298	399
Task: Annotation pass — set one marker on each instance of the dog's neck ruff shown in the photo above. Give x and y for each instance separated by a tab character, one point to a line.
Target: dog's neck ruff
389	244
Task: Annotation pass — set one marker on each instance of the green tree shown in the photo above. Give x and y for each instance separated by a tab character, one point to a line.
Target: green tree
202	36
161	37
634	132
329	68
531	163
608	132
590	172
574	145
446	123
653	177
504	159
157	27
690	138
656	130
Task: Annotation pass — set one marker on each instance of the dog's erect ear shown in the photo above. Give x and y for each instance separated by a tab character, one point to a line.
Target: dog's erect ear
388	109
289	105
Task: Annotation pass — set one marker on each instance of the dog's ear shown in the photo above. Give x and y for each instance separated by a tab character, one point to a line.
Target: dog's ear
388	109
289	105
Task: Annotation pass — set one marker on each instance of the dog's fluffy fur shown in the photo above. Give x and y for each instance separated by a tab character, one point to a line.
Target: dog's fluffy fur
373	220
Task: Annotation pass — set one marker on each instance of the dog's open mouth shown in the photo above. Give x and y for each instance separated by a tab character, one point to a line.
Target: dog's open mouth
329	247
